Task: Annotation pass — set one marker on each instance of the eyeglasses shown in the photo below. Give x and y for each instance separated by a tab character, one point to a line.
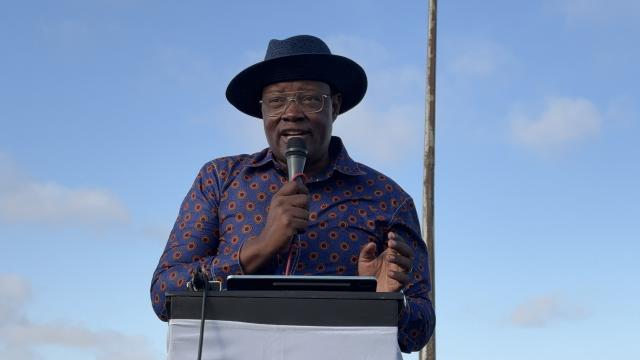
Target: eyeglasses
276	104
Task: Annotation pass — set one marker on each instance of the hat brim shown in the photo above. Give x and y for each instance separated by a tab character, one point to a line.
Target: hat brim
342	74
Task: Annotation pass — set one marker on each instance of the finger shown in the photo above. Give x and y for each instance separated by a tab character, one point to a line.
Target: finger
286	201
403	262
299	225
400	277
368	252
297	213
293	187
294	220
400	249
301	188
389	284
289	188
297	200
397	243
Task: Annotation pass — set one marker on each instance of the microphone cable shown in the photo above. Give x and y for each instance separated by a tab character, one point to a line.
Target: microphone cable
289	270
204	309
296	155
200	281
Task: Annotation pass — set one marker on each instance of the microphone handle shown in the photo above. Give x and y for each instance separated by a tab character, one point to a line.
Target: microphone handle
295	165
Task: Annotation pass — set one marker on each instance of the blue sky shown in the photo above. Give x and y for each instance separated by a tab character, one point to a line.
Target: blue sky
109	108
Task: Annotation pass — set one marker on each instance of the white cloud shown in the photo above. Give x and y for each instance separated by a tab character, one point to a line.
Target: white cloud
20	338
26	200
563	121
27	337
598	11
391	82
542	311
478	58
234	132
187	68
157	231
14	292
388	125
382	136
365	52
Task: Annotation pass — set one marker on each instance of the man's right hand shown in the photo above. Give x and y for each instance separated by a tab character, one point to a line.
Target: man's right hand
287	216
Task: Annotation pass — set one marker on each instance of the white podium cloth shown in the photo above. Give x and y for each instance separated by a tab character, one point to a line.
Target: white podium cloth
238	340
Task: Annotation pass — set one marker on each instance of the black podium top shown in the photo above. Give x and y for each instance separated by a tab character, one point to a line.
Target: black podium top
311	308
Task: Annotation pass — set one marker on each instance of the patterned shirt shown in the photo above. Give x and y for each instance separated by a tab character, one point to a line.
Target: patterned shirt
350	205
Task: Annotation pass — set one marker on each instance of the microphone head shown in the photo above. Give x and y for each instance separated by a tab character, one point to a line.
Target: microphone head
296	146
199	279
296	157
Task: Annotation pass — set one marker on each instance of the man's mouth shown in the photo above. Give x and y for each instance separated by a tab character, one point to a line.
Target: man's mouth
288	134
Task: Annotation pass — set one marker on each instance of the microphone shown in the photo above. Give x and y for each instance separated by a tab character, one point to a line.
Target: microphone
199	280
296	157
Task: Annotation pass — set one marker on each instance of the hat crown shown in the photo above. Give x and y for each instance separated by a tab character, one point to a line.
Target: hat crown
296	45
300	57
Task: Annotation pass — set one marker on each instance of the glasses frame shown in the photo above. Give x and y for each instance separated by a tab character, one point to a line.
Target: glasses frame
292	96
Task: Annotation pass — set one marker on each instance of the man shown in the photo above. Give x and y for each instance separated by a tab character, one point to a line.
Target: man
242	216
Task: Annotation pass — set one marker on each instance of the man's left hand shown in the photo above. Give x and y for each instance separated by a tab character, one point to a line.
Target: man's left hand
392	268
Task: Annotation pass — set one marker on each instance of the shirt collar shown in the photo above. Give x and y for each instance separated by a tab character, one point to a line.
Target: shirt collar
340	160
259	159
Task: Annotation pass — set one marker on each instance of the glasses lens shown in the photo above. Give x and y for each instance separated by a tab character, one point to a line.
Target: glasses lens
274	103
308	102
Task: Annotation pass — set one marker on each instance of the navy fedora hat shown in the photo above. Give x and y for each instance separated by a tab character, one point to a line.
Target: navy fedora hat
301	57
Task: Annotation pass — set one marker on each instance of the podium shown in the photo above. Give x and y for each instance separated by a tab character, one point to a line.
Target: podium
279	325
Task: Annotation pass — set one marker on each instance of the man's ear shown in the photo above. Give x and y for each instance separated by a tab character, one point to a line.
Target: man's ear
336	102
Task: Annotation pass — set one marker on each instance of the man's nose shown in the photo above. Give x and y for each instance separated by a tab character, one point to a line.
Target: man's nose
292	111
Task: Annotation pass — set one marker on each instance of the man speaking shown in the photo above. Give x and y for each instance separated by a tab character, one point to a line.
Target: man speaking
243	215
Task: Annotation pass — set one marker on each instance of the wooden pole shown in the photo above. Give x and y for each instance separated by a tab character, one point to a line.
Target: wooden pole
429	351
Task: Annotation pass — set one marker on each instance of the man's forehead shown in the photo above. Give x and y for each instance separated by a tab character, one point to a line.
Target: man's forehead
296	85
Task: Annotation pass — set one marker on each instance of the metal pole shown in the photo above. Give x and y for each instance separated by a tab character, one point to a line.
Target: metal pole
429	351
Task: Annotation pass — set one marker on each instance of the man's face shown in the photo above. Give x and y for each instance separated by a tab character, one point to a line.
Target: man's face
314	127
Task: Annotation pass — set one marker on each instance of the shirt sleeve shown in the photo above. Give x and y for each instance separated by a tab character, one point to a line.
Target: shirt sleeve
194	242
417	319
